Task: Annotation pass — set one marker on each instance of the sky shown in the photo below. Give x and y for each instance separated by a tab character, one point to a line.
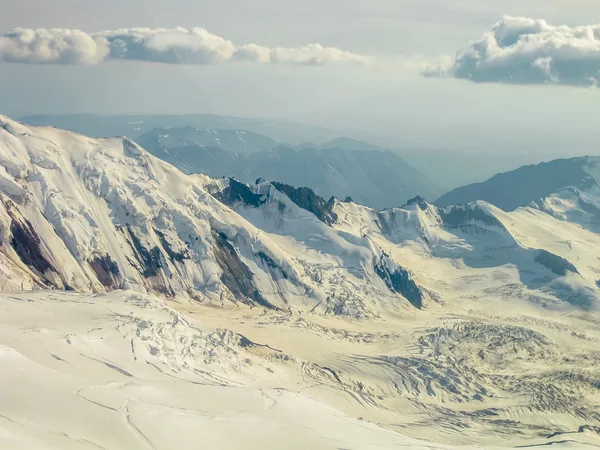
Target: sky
481	75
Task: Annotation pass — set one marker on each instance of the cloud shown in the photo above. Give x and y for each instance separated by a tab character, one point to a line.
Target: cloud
56	46
519	50
170	46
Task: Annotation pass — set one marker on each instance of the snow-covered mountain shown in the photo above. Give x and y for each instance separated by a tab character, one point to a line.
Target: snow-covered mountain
527	184
100	214
95	215
459	324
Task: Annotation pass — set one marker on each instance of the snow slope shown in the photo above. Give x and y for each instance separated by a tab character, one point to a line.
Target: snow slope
128	372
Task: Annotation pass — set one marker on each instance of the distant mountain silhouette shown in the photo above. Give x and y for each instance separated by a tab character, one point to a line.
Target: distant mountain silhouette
520	187
378	179
236	140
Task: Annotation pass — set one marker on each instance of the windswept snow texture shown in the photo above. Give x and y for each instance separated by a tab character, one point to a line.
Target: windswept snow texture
128	371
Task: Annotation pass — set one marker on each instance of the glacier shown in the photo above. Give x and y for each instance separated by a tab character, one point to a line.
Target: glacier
141	307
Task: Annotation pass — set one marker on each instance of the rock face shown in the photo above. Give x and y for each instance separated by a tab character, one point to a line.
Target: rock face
237	192
306	199
457	216
234	273
400	281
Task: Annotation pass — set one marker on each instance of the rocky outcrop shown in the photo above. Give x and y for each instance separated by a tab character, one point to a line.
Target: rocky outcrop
400	281
236	275
107	271
236	193
456	216
306	199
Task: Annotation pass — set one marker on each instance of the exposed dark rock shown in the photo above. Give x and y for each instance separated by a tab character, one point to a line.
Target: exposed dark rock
149	259
558	265
400	281
106	270
26	244
306	199
460	215
238	192
348	200
245	342
272	264
173	255
581	429
331	372
419	201
235	274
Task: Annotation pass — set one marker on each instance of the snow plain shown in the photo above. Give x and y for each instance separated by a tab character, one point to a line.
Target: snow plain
128	371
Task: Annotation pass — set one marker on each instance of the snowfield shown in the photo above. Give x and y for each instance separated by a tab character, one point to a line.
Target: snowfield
144	308
128	371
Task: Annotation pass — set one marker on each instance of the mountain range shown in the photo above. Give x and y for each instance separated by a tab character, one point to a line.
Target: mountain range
448	168
151	298
342	167
379	178
527	184
92	215
241	141
134	126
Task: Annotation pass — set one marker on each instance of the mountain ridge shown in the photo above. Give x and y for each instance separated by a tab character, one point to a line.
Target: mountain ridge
116	217
526	184
379	179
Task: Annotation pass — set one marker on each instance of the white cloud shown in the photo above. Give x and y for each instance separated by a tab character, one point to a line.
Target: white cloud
519	50
171	46
56	46
314	54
